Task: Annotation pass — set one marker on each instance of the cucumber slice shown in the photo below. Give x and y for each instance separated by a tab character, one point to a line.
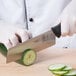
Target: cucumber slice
29	57
56	67
71	73
68	68
60	72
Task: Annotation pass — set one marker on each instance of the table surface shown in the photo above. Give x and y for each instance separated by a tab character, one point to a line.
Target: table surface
40	68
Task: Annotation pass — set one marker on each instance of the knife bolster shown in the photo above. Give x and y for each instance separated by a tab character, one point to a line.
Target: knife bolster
57	30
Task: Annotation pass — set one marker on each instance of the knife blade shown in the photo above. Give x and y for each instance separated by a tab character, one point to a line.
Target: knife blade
38	43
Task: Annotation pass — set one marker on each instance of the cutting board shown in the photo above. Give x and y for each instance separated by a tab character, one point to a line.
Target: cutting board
40	68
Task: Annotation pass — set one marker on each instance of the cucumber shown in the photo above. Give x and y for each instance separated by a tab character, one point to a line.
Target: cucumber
71	73
67	68
60	72
56	67
28	57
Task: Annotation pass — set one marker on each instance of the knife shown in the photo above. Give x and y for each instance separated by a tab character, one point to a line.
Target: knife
38	43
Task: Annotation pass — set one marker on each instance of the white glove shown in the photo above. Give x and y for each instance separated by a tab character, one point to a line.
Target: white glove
68	19
10	35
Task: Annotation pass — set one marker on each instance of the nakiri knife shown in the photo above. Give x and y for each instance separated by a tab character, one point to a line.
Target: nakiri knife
38	43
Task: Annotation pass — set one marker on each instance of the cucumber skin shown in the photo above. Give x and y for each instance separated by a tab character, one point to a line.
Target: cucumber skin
66	68
65	74
69	74
60	74
23	57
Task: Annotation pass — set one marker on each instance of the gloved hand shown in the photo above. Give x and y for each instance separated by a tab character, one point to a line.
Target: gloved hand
68	19
10	35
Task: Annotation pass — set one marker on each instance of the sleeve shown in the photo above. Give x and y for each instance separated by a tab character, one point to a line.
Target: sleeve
12	11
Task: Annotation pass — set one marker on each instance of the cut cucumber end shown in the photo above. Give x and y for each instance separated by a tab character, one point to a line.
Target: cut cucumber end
29	57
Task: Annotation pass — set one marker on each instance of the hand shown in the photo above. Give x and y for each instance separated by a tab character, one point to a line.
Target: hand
68	19
11	35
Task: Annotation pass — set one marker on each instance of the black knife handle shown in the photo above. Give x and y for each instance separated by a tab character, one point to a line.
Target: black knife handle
57	30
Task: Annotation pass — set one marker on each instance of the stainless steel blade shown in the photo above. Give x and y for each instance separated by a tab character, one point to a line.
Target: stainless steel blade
38	43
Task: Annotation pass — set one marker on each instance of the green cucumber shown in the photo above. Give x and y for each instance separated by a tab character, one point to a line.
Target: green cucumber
28	57
71	73
60	72
56	67
67	68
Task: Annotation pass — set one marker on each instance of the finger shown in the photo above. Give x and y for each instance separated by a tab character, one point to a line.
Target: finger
65	26
13	40
19	38
72	25
23	34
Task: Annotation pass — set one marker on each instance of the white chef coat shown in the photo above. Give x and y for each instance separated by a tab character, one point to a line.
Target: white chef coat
36	15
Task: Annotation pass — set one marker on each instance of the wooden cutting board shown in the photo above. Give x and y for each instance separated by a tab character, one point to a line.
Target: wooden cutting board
40	68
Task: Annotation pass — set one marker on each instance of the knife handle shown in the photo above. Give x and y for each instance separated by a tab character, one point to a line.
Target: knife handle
57	30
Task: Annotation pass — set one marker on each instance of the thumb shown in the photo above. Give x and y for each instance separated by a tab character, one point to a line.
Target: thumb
65	26
64	20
